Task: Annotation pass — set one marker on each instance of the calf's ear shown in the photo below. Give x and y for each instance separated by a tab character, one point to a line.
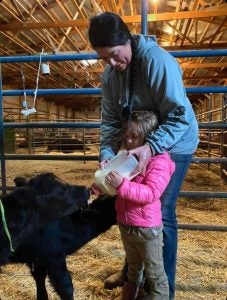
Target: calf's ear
25	196
20	181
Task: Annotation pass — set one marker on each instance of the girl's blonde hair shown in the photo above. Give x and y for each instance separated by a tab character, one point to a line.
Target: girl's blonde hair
146	121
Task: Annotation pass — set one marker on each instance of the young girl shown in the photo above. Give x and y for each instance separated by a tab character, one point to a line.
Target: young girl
138	209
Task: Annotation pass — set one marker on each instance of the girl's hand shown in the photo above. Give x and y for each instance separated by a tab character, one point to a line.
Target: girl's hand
95	190
114	179
143	155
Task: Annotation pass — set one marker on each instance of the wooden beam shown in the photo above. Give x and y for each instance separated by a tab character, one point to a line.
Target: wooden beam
217	45
189	65
206	77
128	19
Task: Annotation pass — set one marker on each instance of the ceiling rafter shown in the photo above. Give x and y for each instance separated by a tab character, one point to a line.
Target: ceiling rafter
219	30
128	19
174	26
189	23
14	3
178	32
70	28
119	6
203	65
10	11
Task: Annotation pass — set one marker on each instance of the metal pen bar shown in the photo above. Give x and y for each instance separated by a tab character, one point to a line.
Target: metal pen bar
97	91
202	227
93	55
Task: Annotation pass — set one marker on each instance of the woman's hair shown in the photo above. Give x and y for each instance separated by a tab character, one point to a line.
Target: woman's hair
146	122
108	30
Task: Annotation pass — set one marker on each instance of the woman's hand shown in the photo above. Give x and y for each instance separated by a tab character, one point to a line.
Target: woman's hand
104	163
143	155
114	179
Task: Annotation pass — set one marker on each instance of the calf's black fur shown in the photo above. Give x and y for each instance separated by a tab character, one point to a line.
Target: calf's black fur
36	202
45	251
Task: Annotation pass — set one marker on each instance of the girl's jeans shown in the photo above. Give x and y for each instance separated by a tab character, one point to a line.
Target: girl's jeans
168	199
143	248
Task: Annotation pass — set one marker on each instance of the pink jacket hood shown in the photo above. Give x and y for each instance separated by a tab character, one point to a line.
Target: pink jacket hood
138	201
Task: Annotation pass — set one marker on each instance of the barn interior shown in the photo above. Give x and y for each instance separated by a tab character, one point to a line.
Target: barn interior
44	48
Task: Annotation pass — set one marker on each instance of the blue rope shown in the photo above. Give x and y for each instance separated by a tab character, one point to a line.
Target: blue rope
5	226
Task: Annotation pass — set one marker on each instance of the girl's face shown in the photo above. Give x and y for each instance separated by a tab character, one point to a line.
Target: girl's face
132	137
118	57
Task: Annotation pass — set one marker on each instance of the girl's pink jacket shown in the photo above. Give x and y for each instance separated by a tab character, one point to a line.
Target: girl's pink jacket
138	201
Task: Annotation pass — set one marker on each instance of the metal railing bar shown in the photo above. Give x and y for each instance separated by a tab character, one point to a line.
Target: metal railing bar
202	227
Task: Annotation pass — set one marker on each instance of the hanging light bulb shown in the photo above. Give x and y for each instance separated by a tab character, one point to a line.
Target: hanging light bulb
45	68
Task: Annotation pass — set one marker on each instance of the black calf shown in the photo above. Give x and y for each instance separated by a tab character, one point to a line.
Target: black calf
35	202
45	251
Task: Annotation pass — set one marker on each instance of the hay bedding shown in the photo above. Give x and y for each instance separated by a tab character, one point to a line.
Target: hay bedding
202	256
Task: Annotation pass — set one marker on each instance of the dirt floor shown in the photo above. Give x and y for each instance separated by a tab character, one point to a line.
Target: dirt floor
202	256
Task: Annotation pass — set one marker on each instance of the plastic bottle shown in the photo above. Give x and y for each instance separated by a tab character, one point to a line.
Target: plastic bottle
123	164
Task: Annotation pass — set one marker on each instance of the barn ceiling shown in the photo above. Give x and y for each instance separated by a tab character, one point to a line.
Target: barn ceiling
29	27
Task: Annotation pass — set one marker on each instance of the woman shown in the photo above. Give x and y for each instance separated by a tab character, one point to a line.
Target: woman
142	76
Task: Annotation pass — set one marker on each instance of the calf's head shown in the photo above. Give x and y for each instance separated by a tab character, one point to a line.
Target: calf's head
101	212
50	194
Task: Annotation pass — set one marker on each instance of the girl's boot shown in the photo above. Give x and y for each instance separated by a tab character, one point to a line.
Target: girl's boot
130	291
